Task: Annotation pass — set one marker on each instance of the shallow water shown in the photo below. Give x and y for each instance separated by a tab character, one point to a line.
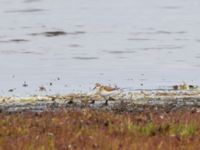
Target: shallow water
68	46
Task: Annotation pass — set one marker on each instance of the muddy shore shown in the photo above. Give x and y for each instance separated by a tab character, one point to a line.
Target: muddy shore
132	101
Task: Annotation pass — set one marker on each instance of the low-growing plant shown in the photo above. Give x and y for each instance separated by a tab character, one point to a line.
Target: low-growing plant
90	129
184	130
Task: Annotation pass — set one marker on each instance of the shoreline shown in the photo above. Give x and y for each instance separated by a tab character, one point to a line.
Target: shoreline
128	101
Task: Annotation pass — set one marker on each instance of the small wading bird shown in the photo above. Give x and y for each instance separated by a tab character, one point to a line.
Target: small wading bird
106	91
185	86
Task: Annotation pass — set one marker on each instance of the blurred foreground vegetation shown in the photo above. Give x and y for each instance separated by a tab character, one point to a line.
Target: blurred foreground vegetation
90	129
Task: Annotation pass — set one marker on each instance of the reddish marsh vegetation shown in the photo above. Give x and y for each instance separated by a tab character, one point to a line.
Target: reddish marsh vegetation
89	129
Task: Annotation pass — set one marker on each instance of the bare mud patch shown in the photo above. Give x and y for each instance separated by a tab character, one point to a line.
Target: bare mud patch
8	52
119	52
158	32
57	33
163	48
198	40
74	45
50	33
14	41
33	10
170	32
139	39
32	1
171	7
85	58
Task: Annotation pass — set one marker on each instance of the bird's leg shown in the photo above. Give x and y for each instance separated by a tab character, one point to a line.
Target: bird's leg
106	100
106	103
92	101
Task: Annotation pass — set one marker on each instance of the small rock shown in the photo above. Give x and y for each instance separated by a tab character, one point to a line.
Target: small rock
11	90
24	84
42	89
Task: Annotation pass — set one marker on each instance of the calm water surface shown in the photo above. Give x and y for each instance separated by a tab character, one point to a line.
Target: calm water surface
72	44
